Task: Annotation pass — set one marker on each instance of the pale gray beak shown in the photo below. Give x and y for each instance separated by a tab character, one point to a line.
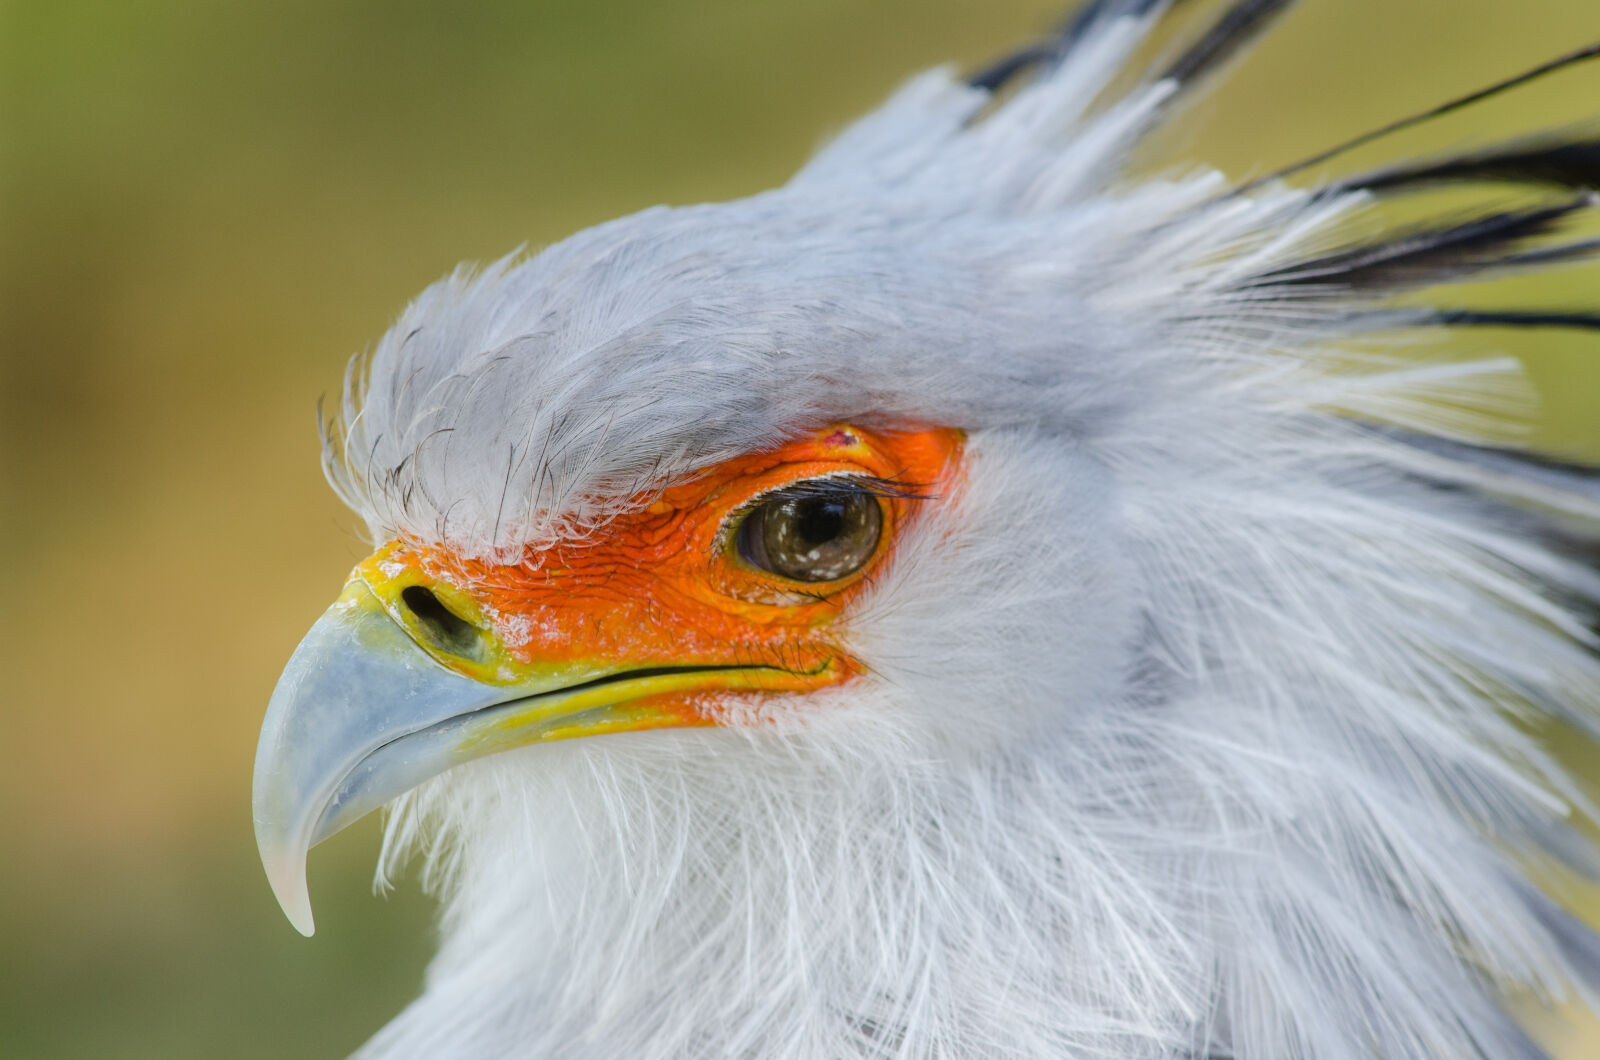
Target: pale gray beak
332	745
374	701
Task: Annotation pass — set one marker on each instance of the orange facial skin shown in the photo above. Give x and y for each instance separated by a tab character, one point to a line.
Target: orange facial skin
664	585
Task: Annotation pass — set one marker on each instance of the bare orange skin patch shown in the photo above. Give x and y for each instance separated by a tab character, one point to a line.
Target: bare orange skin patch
663	588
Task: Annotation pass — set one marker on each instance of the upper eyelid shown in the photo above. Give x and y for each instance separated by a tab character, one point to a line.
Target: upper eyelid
877	486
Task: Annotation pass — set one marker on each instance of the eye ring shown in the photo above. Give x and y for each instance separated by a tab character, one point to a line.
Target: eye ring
817	531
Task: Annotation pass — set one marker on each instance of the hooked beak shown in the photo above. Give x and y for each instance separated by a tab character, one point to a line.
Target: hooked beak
401	679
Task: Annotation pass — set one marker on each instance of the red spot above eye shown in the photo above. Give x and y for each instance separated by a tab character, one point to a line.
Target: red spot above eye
840	440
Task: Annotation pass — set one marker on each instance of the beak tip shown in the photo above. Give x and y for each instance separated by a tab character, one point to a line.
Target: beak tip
288	879
301	919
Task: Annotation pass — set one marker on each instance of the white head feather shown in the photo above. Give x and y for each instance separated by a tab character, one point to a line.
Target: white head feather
1195	724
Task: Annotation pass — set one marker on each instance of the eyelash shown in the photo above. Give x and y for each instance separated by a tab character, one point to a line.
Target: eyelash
823	485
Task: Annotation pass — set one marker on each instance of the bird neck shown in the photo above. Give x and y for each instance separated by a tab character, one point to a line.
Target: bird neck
655	897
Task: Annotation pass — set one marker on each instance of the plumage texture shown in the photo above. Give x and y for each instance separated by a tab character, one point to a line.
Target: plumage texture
1199	722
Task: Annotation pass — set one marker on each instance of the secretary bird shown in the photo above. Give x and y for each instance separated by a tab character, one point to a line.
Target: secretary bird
1012	605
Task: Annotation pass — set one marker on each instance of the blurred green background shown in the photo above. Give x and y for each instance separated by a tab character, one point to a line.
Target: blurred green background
206	207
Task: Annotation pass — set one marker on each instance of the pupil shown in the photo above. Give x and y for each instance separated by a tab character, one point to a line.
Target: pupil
821	521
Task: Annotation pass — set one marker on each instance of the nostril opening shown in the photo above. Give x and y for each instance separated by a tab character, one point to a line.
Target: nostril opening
448	631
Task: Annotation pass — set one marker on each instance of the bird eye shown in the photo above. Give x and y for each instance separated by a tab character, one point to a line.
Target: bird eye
815	533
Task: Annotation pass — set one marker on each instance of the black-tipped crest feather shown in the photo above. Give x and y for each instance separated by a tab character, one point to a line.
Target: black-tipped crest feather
1514	318
1057	47
1430	254
1570	164
1563	62
1234	31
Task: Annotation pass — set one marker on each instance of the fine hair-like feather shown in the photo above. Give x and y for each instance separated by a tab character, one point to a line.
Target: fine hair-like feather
1200	722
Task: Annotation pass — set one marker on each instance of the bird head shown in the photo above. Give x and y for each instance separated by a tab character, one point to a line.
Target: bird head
963	595
753	461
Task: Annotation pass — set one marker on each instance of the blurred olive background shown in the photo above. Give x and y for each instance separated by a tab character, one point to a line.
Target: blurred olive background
206	207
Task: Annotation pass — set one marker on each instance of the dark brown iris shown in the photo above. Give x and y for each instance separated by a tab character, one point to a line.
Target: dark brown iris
816	532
